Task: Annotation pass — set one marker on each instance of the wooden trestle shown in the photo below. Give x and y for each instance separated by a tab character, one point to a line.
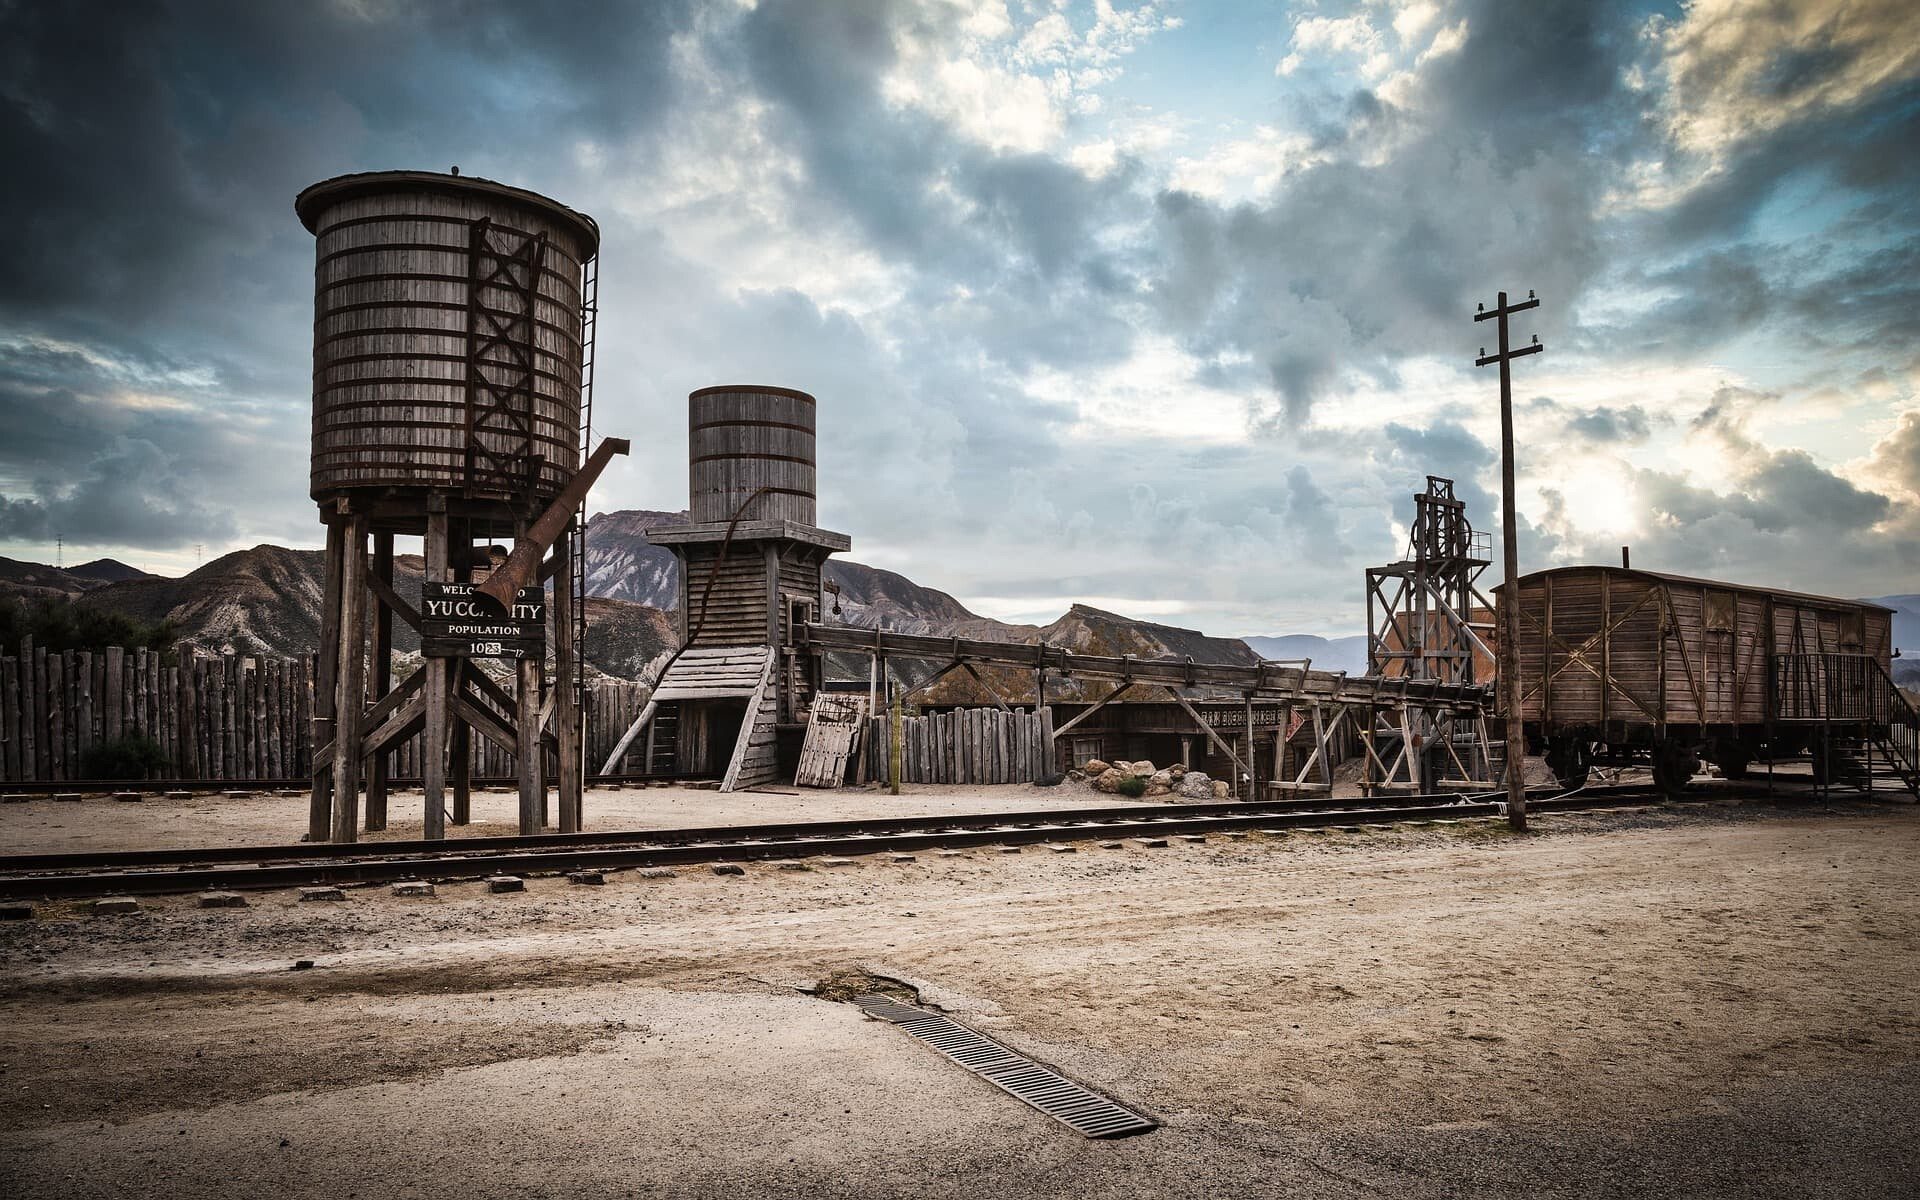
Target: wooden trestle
1331	700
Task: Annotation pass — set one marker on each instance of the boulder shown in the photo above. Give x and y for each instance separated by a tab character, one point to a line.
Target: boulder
1144	767
1108	781
1196	785
1158	789
1094	768
1177	770
1222	790
1160	778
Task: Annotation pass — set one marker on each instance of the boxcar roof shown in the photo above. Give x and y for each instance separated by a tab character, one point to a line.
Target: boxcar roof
1691	581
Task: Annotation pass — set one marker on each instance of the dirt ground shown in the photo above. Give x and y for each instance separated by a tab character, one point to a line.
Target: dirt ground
1710	1001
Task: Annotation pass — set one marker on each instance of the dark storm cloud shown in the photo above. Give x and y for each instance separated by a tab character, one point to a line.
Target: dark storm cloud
1493	176
153	151
1018	228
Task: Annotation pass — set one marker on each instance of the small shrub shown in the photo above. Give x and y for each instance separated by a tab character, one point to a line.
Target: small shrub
1134	786
133	757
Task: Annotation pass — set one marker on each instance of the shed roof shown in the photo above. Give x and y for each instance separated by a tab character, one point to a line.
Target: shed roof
1692	581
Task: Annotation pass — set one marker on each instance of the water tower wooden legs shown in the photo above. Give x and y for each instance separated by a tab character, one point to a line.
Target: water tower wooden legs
433	735
360	717
566	667
380	664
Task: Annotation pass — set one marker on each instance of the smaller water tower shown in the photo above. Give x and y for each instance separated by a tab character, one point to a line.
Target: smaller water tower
452	388
750	575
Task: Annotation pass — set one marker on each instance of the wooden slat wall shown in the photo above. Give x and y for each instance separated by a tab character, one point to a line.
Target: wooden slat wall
965	745
228	718
736	609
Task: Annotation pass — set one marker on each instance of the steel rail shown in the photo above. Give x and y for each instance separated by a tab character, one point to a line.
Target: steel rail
45	787
20	877
199	856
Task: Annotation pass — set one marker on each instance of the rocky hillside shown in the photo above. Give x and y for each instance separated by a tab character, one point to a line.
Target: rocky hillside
267	601
28	579
622	564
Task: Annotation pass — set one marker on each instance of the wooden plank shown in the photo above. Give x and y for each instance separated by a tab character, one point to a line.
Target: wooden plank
10	717
29	709
379	579
527	764
352	669
115	719
57	713
320	713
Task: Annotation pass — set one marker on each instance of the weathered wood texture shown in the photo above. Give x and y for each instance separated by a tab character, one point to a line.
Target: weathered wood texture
751	454
233	717
1620	649
755	753
390	378
833	739
966	745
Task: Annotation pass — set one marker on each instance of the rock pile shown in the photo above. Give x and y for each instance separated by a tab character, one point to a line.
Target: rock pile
1160	781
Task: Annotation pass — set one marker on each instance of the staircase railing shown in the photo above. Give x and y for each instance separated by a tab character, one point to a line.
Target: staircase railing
1850	689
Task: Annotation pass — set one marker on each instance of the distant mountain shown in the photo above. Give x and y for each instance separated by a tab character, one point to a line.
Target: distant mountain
267	601
1347	654
108	570
623	564
30	579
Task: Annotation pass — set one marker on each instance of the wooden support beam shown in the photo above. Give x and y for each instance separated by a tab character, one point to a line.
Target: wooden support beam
320	803
1109	698
380	579
352	678
527	764
433	740
1219	743
566	695
993	693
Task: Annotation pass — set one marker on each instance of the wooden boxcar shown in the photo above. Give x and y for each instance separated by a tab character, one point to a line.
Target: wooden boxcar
1619	664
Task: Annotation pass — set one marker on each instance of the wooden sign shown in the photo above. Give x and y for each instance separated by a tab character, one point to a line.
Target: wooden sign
456	623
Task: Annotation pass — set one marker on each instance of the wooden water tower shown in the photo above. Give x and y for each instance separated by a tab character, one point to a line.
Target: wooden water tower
750	575
452	389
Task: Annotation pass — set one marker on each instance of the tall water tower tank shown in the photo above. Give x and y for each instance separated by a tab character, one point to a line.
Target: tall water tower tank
446	335
745	440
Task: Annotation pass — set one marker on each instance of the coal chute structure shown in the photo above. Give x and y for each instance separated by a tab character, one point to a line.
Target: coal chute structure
452	402
738	696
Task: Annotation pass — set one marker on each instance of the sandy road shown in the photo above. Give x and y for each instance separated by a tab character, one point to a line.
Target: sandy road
1720	1002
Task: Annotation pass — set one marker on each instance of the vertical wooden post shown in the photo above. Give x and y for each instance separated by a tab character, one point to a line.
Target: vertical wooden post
527	754
566	698
893	758
325	677
433	737
349	701
460	742
377	765
29	711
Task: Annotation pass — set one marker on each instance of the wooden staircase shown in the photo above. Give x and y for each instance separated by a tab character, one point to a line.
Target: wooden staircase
1865	732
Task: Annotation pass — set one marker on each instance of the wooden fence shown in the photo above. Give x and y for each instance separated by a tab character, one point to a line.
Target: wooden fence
214	718
966	745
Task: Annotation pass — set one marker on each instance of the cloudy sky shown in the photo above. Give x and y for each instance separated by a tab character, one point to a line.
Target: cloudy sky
1161	306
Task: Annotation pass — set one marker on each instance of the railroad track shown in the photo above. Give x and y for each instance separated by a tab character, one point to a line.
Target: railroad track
213	787
152	872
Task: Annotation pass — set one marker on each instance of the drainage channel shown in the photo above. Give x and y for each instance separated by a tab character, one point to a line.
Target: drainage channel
1087	1113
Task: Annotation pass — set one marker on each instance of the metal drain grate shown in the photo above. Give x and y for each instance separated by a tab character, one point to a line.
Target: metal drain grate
1019	1076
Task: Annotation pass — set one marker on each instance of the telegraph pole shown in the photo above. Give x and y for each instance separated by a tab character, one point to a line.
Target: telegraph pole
1508	663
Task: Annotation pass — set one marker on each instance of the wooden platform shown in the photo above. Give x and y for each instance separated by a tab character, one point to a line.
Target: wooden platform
714	673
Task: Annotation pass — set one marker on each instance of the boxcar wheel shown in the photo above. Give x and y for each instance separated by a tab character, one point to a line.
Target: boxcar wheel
1673	766
1571	761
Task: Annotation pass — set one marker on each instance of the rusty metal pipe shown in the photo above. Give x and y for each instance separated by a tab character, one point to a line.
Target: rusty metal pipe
523	565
